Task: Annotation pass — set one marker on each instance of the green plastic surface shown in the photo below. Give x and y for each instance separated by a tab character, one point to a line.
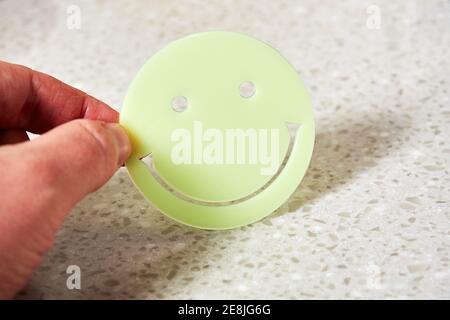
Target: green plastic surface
208	69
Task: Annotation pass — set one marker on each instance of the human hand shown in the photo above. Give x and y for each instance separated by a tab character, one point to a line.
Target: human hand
43	179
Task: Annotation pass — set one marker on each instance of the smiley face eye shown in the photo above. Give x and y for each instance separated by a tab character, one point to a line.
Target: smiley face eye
179	103
247	89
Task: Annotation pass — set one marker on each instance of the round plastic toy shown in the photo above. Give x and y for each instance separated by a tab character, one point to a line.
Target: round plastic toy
221	127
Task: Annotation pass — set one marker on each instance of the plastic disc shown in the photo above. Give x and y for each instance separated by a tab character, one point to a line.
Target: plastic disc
221	127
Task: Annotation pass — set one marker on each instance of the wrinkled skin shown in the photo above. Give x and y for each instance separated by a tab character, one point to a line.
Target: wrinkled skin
80	148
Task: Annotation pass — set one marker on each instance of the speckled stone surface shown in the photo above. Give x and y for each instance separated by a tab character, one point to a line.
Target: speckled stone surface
370	219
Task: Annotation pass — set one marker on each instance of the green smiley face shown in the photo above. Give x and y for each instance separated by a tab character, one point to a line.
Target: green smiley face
222	130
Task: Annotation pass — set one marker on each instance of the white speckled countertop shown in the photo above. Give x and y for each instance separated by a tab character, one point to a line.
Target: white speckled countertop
370	219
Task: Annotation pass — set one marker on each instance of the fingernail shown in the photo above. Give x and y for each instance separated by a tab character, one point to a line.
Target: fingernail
122	141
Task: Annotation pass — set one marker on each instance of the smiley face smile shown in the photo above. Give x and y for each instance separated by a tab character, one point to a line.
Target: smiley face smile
147	160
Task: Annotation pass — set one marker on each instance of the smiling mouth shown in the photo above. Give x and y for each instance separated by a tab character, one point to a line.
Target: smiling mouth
148	161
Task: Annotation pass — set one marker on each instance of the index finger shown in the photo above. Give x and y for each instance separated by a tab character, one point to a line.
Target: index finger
37	102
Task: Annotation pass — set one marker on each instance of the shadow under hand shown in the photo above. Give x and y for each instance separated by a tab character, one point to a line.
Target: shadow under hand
124	248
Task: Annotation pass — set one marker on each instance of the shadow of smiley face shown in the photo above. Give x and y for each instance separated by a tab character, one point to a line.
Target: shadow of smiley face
222	130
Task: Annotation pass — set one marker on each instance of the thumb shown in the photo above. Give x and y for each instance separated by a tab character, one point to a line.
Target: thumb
41	182
78	157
